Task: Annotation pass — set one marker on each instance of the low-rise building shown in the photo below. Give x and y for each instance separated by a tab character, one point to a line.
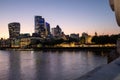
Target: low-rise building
75	36
15	43
4	43
25	40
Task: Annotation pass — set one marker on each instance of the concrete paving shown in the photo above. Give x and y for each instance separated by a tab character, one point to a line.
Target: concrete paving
107	72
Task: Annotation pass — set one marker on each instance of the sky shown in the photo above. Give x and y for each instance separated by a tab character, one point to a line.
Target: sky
73	16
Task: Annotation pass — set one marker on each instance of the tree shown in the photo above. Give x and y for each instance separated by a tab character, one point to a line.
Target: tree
105	39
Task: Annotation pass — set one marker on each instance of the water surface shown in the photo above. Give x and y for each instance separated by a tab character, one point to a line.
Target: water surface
49	65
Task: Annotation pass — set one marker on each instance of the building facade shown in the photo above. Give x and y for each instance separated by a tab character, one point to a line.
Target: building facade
25	40
57	31
48	28
14	33
87	38
75	36
40	26
4	43
14	30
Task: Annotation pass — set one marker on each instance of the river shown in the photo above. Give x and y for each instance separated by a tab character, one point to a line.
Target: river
49	65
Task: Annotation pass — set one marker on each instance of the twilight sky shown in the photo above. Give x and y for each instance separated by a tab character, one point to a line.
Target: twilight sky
73	16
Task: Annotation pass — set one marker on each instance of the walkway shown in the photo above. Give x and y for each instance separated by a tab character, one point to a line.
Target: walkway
107	72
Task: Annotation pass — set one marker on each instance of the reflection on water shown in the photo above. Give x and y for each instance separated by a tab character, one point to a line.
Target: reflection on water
48	65
14	66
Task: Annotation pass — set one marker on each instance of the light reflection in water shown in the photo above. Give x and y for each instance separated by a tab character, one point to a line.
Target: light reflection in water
48	65
14	66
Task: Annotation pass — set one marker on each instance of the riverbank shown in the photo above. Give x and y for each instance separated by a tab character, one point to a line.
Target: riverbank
107	72
61	48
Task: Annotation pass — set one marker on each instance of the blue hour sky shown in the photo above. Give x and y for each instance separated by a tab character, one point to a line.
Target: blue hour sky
73	16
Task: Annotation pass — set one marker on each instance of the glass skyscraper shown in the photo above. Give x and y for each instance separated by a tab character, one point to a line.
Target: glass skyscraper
48	28
14	30
40	26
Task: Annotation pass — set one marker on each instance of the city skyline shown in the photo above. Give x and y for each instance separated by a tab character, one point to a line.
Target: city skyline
73	16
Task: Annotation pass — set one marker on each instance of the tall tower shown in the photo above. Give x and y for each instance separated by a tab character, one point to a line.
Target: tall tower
14	30
48	28
40	26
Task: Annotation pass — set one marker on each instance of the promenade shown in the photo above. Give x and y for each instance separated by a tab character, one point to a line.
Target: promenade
107	72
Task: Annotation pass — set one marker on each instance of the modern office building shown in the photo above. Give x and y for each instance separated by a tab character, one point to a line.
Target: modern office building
57	31
40	26
14	33
48	28
14	30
